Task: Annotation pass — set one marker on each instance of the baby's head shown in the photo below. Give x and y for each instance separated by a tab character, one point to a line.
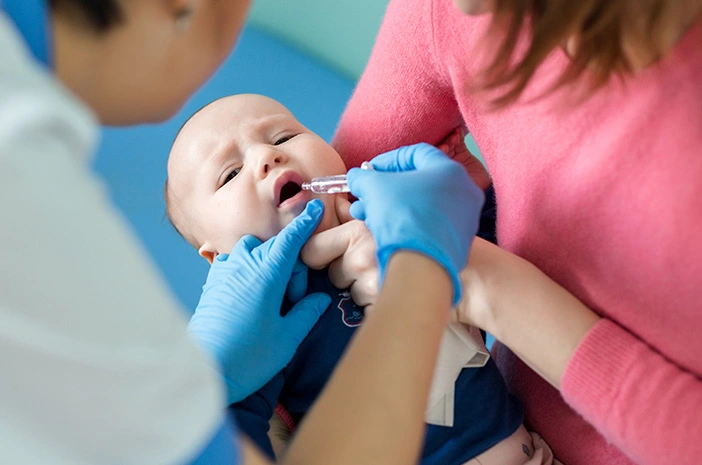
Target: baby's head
236	168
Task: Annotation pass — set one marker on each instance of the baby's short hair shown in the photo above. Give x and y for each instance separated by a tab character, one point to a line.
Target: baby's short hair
172	213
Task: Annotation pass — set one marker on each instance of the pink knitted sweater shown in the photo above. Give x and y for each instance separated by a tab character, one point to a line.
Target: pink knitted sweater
603	196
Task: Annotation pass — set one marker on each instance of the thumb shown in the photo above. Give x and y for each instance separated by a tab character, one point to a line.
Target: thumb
291	238
357	210
359	181
248	243
297	287
304	315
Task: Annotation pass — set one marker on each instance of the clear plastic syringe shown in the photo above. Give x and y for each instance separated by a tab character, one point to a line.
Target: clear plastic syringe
331	184
327	185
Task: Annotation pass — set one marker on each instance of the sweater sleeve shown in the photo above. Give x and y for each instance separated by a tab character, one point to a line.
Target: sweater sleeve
645	404
403	96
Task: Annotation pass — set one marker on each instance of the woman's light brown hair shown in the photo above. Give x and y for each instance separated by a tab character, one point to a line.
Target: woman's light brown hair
596	25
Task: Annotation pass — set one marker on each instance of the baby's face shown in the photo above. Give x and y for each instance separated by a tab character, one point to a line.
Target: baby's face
236	169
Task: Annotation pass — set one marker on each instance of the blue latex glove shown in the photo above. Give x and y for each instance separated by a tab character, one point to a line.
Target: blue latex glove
419	199
238	321
297	287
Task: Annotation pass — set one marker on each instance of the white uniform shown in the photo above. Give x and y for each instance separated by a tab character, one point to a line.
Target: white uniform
95	363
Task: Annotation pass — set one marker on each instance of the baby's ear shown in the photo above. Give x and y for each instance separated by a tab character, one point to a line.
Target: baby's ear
207	252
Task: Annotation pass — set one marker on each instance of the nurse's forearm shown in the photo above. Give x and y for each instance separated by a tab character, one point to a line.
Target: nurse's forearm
372	410
540	321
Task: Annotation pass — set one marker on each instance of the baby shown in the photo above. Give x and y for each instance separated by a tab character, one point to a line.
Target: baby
236	168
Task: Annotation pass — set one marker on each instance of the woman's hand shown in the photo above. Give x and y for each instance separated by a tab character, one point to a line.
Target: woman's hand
455	147
349	252
238	320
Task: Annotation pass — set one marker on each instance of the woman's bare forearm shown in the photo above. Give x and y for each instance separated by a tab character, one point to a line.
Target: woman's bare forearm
372	410
535	317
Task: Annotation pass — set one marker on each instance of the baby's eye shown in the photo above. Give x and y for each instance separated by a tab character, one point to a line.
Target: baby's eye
231	175
284	139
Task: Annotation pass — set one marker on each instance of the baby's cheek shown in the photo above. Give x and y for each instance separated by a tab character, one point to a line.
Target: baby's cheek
328	222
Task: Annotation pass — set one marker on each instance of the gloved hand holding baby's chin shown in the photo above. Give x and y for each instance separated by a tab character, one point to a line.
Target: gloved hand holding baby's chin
419	199
238	322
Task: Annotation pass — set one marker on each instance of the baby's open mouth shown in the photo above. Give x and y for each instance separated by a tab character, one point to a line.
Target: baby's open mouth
289	190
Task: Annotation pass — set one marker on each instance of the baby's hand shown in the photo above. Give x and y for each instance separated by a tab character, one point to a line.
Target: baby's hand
349	251
455	147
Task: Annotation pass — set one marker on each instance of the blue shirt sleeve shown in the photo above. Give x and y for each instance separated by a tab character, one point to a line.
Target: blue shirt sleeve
254	413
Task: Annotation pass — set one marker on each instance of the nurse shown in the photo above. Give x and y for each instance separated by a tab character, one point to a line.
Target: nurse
96	364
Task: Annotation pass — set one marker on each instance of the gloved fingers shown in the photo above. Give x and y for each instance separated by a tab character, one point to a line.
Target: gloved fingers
400	159
426	156
363	182
387	161
297	287
357	210
290	240
246	243
223	257
410	157
304	314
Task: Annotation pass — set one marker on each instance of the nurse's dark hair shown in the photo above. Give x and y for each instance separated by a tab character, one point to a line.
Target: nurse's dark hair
549	24
99	15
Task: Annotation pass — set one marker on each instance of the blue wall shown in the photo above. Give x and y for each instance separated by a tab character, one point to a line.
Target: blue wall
338	33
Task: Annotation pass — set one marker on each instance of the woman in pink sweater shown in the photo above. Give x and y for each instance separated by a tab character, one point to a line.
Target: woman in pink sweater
594	146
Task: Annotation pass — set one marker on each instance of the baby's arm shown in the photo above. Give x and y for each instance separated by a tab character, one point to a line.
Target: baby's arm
279	435
254	413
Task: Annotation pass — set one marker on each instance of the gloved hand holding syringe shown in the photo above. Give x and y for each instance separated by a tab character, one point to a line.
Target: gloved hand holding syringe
331	184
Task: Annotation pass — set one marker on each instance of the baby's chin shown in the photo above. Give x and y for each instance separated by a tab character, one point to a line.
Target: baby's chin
330	218
328	221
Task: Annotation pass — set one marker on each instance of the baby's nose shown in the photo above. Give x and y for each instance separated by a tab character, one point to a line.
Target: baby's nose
269	160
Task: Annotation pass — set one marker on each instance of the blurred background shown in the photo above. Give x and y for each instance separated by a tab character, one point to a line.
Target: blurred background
339	34
307	54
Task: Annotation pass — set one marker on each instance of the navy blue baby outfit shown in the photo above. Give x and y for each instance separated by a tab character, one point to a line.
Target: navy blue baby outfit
484	412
